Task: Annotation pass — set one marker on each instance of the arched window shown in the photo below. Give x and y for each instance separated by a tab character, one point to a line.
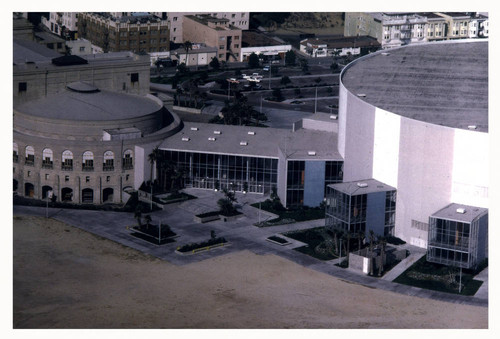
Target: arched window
67	161
16	152
47	158
88	161
30	156
128	162
109	159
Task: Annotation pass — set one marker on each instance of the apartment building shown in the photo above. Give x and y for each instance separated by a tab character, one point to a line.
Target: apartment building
479	26
394	29
64	24
139	32
175	19
214	32
437	28
457	24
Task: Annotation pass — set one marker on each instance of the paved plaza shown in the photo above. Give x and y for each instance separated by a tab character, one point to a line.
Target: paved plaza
241	235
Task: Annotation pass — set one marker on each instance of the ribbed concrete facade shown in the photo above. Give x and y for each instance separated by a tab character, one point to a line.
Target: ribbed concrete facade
430	165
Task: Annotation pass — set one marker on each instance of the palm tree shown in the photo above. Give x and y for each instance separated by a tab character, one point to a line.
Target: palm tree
138	216
153	157
372	238
382	242
360	235
148	220
188	45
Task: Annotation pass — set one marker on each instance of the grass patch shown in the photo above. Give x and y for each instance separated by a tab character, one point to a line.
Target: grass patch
315	241
439	277
278	239
200	245
152	234
298	214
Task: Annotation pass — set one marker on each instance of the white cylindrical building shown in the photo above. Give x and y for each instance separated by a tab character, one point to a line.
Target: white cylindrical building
416	118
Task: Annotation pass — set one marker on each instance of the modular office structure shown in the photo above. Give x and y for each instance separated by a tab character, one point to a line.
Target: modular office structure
458	236
361	206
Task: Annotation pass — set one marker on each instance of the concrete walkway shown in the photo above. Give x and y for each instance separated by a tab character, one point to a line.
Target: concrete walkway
241	235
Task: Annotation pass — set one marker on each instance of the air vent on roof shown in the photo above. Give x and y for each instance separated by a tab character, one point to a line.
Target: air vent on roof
472	127
461	210
216	132
385	54
362	184
311	153
251	132
211	139
194	128
334	116
243	143
185	139
361	95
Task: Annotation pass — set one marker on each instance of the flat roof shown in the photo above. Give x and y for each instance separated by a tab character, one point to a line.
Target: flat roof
29	51
265	142
256	39
352	188
438	82
90	106
450	213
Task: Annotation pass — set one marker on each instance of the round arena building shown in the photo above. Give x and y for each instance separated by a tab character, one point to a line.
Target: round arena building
416	118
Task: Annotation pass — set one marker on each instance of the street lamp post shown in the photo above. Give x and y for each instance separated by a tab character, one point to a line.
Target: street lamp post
316	100
270	75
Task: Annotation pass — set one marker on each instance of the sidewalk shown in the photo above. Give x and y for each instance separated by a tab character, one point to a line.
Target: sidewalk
241	234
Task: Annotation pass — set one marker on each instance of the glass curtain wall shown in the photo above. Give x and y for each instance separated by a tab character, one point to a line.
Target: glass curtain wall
451	242
390	212
211	171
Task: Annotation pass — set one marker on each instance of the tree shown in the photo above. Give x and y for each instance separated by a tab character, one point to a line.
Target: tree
138	216
290	58
304	65
285	80
182	68
253	61
317	80
188	45
148	220
153	157
226	203
360	235
334	66
277	95
372	238
214	63
382	243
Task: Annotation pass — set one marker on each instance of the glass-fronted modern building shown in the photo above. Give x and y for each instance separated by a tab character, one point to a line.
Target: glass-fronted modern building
458	236
298	163
361	206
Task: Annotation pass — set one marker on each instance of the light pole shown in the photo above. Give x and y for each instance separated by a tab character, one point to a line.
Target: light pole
316	100
228	89
49	196
270	75
261	104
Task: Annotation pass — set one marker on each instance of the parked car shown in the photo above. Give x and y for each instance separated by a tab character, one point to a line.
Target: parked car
254	79
266	69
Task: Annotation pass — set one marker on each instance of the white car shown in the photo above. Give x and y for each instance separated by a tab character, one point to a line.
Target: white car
254	79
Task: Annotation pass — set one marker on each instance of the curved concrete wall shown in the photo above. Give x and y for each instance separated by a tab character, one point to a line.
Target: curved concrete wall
430	165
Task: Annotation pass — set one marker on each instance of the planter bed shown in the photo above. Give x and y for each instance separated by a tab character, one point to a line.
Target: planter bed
151	234
206	217
203	246
278	240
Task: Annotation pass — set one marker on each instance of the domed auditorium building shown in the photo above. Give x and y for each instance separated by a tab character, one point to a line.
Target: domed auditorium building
81	142
416	118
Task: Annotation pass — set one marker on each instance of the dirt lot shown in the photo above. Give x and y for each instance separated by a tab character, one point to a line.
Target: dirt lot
67	278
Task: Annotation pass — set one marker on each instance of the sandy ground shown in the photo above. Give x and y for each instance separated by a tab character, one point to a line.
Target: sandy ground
67	278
